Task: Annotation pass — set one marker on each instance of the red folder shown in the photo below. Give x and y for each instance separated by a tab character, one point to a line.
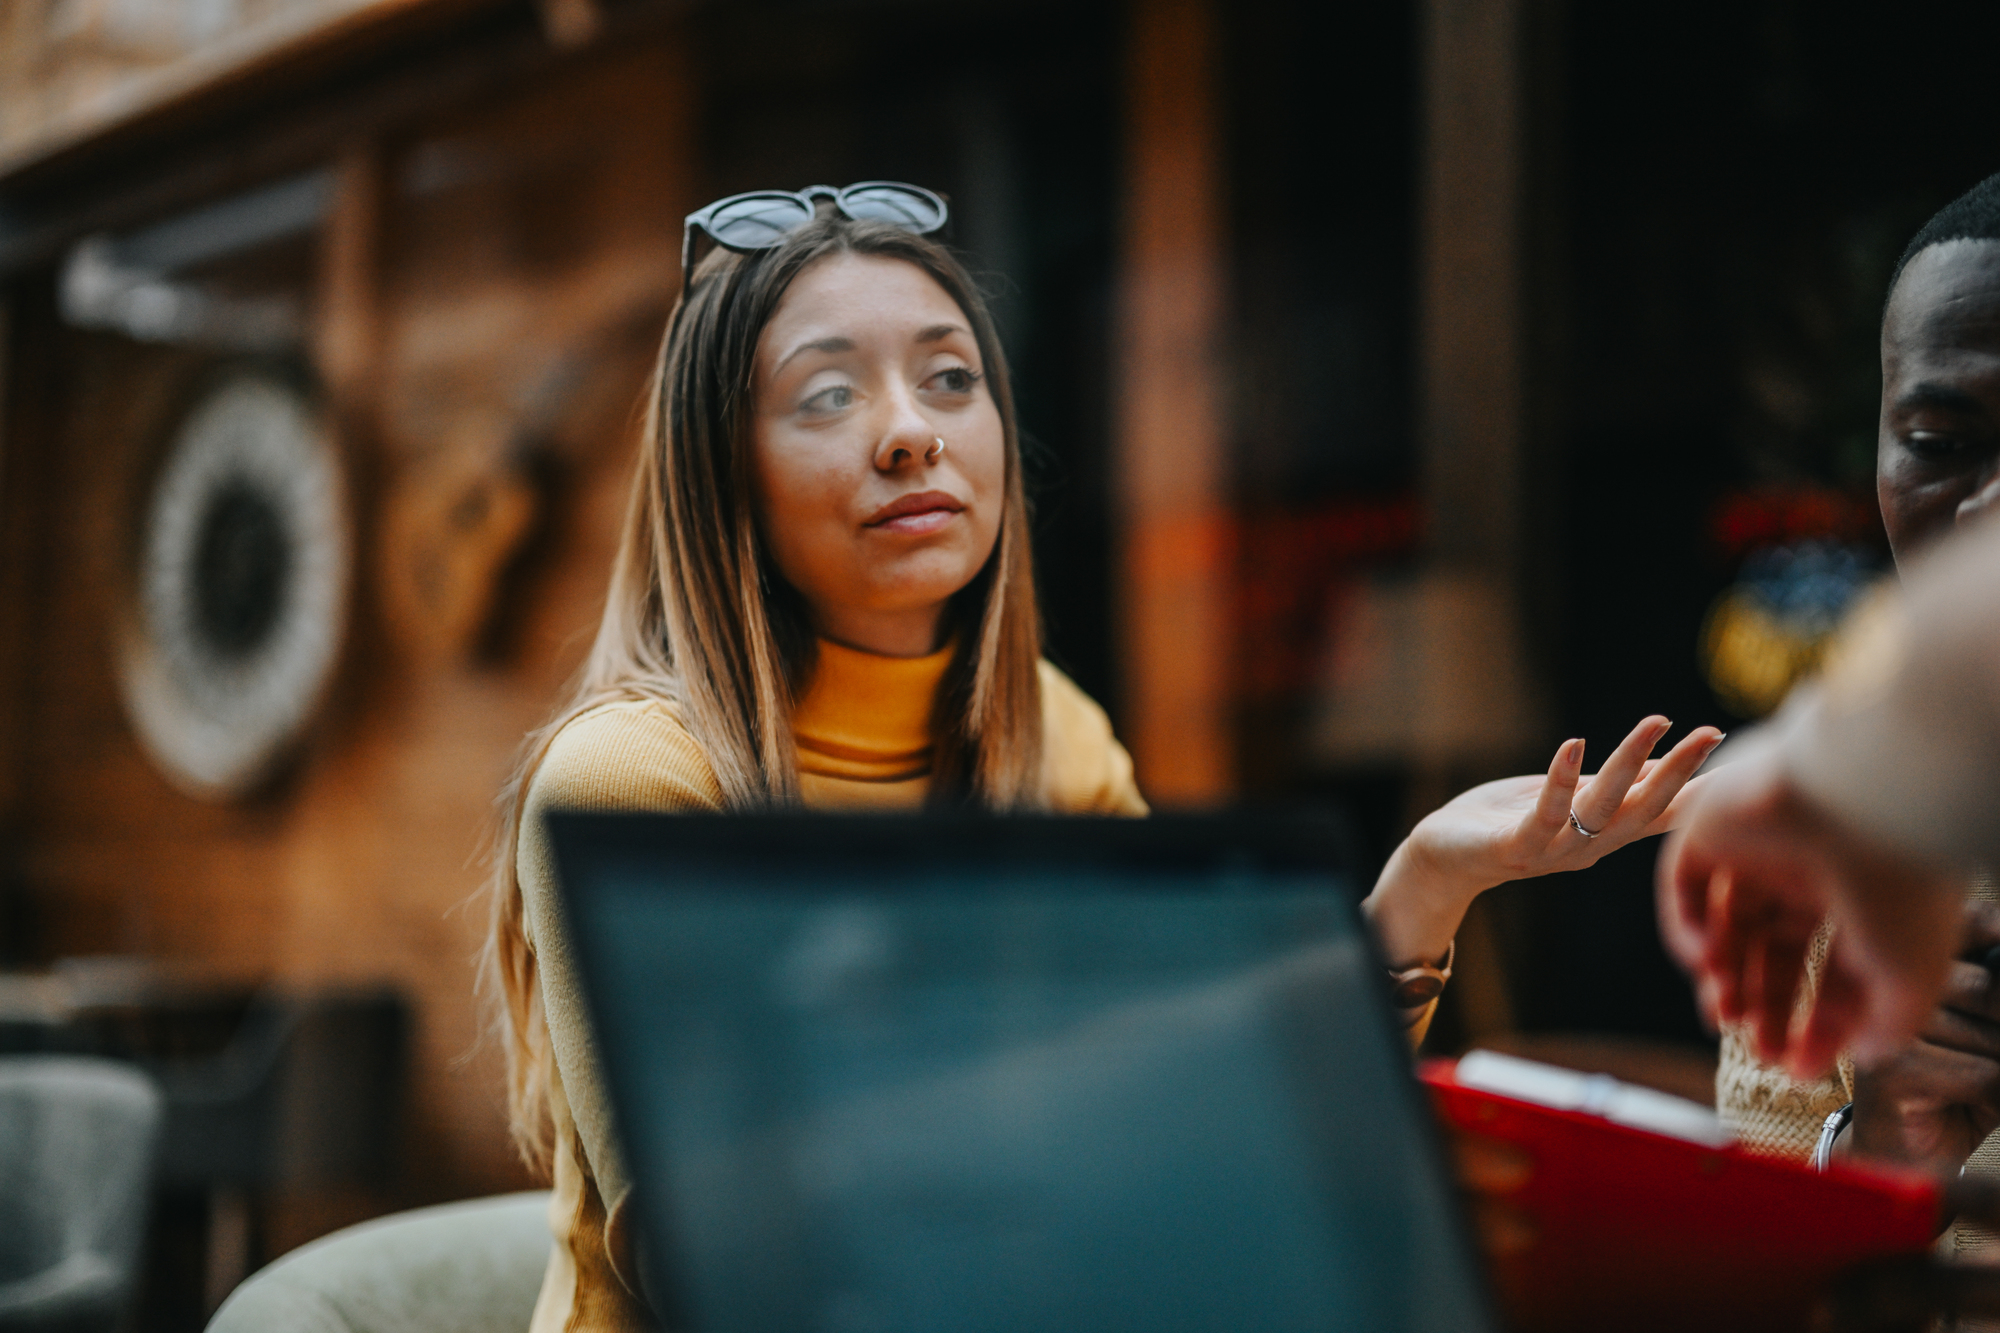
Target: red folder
1638	1230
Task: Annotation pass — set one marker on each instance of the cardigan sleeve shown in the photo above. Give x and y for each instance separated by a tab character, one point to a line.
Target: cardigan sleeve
621	756
1089	772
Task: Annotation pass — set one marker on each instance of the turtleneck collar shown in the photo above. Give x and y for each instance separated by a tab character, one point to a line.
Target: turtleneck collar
867	718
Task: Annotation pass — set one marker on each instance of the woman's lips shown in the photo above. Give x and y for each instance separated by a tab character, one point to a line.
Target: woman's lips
916	515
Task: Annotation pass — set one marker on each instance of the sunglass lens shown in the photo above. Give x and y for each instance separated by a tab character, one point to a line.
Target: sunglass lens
758	220
898	204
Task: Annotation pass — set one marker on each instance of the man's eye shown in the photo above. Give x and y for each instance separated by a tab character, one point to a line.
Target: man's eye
1933	444
830	399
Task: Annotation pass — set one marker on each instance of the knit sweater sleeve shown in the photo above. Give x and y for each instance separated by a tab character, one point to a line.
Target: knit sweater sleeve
1089	772
620	756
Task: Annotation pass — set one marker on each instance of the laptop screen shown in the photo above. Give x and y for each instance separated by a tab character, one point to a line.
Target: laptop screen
988	1075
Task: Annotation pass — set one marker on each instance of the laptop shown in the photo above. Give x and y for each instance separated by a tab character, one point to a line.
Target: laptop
1010	1074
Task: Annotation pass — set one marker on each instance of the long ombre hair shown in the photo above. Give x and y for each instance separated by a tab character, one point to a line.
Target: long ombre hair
698	615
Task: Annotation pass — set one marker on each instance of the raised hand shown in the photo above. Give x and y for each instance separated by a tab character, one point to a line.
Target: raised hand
1518	828
1743	886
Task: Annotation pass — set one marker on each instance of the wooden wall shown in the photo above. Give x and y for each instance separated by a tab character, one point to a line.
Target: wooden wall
70	68
488	290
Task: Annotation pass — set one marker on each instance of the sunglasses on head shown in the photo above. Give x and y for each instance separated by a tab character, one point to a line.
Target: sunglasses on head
763	218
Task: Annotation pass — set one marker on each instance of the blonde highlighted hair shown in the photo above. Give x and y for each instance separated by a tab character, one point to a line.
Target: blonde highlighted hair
698	615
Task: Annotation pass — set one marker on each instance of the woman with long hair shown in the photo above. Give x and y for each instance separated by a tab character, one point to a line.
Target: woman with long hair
823	596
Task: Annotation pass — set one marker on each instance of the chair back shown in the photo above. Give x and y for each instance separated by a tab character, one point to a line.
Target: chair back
473	1267
78	1139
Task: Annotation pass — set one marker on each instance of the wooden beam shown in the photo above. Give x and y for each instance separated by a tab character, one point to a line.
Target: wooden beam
288	44
13	596
1472	248
1173	572
1481	709
347	307
289	118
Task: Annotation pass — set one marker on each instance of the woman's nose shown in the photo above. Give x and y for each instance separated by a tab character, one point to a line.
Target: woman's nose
906	436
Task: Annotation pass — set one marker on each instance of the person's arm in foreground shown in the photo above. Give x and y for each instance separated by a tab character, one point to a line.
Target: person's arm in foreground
1866	799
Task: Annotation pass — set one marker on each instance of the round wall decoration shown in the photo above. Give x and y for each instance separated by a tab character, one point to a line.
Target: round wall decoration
240	599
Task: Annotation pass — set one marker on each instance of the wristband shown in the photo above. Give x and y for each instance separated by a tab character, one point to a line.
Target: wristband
1822	1156
1412	989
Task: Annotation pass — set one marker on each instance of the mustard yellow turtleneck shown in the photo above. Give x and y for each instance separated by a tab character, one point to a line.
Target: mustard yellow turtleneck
863	728
863	732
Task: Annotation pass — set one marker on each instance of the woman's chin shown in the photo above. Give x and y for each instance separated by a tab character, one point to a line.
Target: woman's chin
915	595
921	574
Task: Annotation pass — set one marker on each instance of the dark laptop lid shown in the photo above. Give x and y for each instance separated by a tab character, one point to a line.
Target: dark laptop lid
1016	1074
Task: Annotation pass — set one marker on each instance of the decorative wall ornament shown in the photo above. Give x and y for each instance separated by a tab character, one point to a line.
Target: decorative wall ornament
450	527
240	600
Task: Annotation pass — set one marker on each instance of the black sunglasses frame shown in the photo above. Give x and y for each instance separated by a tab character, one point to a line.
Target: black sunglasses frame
808	199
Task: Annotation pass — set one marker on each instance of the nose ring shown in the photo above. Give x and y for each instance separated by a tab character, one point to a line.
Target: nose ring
936	451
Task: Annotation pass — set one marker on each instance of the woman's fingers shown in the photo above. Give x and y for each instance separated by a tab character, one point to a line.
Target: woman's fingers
1661	782
1598	802
1553	805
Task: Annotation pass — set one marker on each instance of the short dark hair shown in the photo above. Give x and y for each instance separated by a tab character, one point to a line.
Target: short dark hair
1973	216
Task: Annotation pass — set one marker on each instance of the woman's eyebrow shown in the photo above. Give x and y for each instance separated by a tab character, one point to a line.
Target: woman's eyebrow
1940	397
937	333
833	344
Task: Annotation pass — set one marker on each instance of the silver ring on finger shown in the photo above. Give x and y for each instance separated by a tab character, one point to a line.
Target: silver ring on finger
1577	824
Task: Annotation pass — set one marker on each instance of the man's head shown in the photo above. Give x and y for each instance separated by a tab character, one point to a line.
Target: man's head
1937	462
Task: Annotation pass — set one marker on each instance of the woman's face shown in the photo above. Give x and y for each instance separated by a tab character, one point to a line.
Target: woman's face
865	366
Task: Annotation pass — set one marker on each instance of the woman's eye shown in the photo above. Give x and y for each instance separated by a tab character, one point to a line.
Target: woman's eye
958	379
830	399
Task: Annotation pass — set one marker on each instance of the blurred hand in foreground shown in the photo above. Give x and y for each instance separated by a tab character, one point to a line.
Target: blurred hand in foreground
1519	828
1743	885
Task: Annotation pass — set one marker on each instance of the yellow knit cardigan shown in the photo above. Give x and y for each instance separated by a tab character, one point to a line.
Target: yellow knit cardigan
863	735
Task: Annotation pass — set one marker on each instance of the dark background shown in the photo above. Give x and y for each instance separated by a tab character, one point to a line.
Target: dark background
1717	192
